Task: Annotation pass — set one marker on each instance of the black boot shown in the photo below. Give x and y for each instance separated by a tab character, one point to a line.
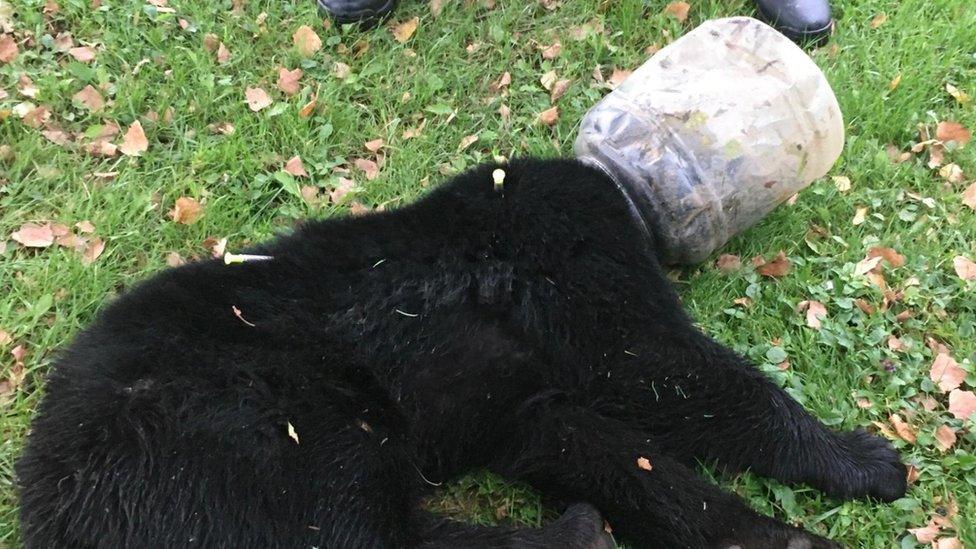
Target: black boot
801	20
355	11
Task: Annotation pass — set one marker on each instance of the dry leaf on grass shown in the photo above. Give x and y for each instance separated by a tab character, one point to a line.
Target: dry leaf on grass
288	80
878	20
728	263
948	130
553	51
134	142
343	188
843	183
85	226
341	70
295	167
778	267
891	256
867	265
83	54
403	31
92	251
678	10
549	116
969	196
816	311
186	211
559	89
32	235
964	267
8	48
945	437
962	404
257	98
946	373
89	98
960	96
467	141
223	54
306	41
374	145
951	173
904	431
859	216
617	77
503	81
369	168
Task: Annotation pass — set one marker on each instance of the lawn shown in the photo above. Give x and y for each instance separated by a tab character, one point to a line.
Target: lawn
181	69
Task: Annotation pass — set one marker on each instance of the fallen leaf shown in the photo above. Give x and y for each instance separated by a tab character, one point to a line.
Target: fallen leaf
257	98
85	226
295	167
31	235
816	311
859	216
368	167
894	82
893	258
559	89
343	188
32	116
134	142
552	52
8	48
925	534
57	136
549	116
84	54
291	430
936	155
308	108
355	208
341	70
644	463
504	112
174	259
186	210
223	128
895	344
866	265
948	130
223	54
945	437
728	263
947	543
776	268
548	79
969	196
375	145
89	98
946	373
865	307
435	7
678	10
962	404
843	183
467	141
744	302
92	251
288	80
911	474
403	31
879	20
904	431
960	96
306	41
965	268
951	173
503	81
26	87
618	77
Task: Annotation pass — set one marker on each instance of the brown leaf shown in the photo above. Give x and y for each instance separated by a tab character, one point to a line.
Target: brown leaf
186	211
223	128
947	543
32	235
26	87
223	54
865	307
288	80
895	344
92	251
341	70
969	196
936	155
257	98
946	373
879	20
343	188
951	173
678	10
894	82
559	89
85	226
467	141
403	31
306	41
728	263
83	54
816	311
904	431
368	167
893	258
375	145
57	136
8	48
945	437
549	116
644	463
948	130
776	268
618	77
435	7
866	265
859	216
965	268
925	534
309	107
962	404
34	117
295	167
553	51
217	246
89	98
548	79
134	143
743	302
503	81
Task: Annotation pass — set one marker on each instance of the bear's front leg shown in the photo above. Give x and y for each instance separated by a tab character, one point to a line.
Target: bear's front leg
649	499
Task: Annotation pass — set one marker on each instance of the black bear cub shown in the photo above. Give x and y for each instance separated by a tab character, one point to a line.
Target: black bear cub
312	399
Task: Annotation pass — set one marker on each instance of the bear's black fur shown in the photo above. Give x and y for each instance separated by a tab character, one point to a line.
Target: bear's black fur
530	331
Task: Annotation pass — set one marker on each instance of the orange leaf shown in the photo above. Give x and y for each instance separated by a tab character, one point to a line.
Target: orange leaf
559	89
186	211
134	142
893	258
879	20
776	268
89	98
728	263
403	31
34	236
223	54
618	77
945	437
295	167
946	373
948	130
902	429
375	145
552	52
288	80
306	41
549	116
368	167
962	404
678	10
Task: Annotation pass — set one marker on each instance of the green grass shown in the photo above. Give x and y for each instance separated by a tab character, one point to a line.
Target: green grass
47	295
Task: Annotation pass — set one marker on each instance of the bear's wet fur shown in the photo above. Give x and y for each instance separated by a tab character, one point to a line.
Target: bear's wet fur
313	399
